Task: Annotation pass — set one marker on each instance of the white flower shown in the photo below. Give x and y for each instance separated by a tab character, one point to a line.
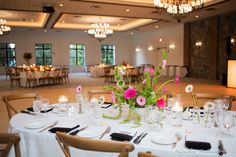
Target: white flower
209	106
189	88
94	101
101	99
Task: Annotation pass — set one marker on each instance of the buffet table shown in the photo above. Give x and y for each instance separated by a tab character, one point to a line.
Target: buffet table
35	144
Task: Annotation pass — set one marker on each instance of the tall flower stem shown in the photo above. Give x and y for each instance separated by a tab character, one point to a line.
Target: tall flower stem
161	86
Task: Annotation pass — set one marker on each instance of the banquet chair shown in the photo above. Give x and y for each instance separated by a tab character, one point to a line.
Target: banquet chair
65	140
146	154
8	100
203	97
45	78
96	93
7	140
30	78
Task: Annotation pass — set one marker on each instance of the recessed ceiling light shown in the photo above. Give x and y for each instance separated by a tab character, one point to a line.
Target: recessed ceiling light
127	10
160	40
60	5
156	26
196	16
131	33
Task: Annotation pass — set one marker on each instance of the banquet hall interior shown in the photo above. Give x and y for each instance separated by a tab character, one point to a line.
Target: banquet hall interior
59	48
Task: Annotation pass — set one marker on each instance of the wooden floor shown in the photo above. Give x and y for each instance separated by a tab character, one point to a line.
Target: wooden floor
52	92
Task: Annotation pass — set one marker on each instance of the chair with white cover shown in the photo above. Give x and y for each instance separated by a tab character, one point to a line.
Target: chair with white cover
7	141
65	141
8	100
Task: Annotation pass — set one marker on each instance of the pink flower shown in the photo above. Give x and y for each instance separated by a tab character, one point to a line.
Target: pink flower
149	70
164	61
164	90
141	100
113	97
79	89
177	79
144	82
130	93
161	103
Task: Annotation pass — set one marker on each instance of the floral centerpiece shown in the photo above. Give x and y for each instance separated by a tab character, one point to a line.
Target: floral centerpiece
140	95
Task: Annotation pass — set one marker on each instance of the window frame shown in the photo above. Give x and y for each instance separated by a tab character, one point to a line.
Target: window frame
44	57
6	58
107	53
77	56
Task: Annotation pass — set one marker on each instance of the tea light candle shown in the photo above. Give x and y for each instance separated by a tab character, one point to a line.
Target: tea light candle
177	107
63	99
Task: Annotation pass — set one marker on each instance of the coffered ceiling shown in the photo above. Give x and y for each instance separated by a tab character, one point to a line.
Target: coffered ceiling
122	15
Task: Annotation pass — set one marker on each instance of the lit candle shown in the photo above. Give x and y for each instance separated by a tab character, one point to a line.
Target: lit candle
176	107
63	99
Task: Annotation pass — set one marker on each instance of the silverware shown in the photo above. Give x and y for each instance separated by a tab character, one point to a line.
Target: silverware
76	131
28	112
108	130
138	137
50	126
144	135
221	149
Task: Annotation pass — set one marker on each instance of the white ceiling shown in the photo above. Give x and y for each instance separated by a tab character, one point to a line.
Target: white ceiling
80	14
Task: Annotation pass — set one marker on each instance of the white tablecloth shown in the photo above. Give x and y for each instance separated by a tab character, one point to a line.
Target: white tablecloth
34	144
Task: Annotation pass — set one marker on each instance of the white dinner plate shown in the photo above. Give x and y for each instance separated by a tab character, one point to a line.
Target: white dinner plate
164	140
35	125
92	132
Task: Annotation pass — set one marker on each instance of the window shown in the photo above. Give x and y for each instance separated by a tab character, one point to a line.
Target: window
7	54
108	54
43	54
77	52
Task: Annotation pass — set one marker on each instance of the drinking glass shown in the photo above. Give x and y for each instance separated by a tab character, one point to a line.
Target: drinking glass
37	105
228	122
45	105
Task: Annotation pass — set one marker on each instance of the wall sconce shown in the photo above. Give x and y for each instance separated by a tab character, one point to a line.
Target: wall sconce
232	41
150	48
231	78
198	44
172	47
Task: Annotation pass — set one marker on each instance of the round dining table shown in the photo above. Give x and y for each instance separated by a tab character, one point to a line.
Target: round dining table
37	143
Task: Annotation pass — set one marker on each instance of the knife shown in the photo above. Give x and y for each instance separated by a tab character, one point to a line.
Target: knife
76	131
138	137
141	138
27	112
221	149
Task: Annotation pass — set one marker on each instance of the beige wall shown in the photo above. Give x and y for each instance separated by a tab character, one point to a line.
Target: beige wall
169	35
125	45
25	40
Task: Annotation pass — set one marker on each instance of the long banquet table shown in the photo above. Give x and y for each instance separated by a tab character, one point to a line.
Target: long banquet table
35	144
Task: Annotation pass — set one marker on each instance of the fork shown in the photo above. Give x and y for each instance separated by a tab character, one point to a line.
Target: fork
50	126
108	130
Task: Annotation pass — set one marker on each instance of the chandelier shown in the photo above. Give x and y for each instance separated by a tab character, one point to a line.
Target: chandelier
4	27
100	31
179	7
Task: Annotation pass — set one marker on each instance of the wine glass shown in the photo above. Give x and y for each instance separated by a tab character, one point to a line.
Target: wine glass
37	105
45	105
228	122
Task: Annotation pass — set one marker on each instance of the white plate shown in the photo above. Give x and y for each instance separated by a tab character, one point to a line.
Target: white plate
164	140
88	134
35	125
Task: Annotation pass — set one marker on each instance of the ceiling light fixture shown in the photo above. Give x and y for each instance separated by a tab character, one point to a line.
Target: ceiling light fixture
3	27
179	7
100	30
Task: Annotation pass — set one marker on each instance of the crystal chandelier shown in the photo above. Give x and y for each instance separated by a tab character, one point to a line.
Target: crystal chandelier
4	27
100	31
179	7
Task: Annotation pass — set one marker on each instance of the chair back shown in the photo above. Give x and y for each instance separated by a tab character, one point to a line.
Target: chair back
94	93
66	140
202	97
12	97
8	140
146	154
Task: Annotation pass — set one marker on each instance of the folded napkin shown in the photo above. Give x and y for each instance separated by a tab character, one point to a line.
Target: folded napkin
198	145
121	137
42	111
62	129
